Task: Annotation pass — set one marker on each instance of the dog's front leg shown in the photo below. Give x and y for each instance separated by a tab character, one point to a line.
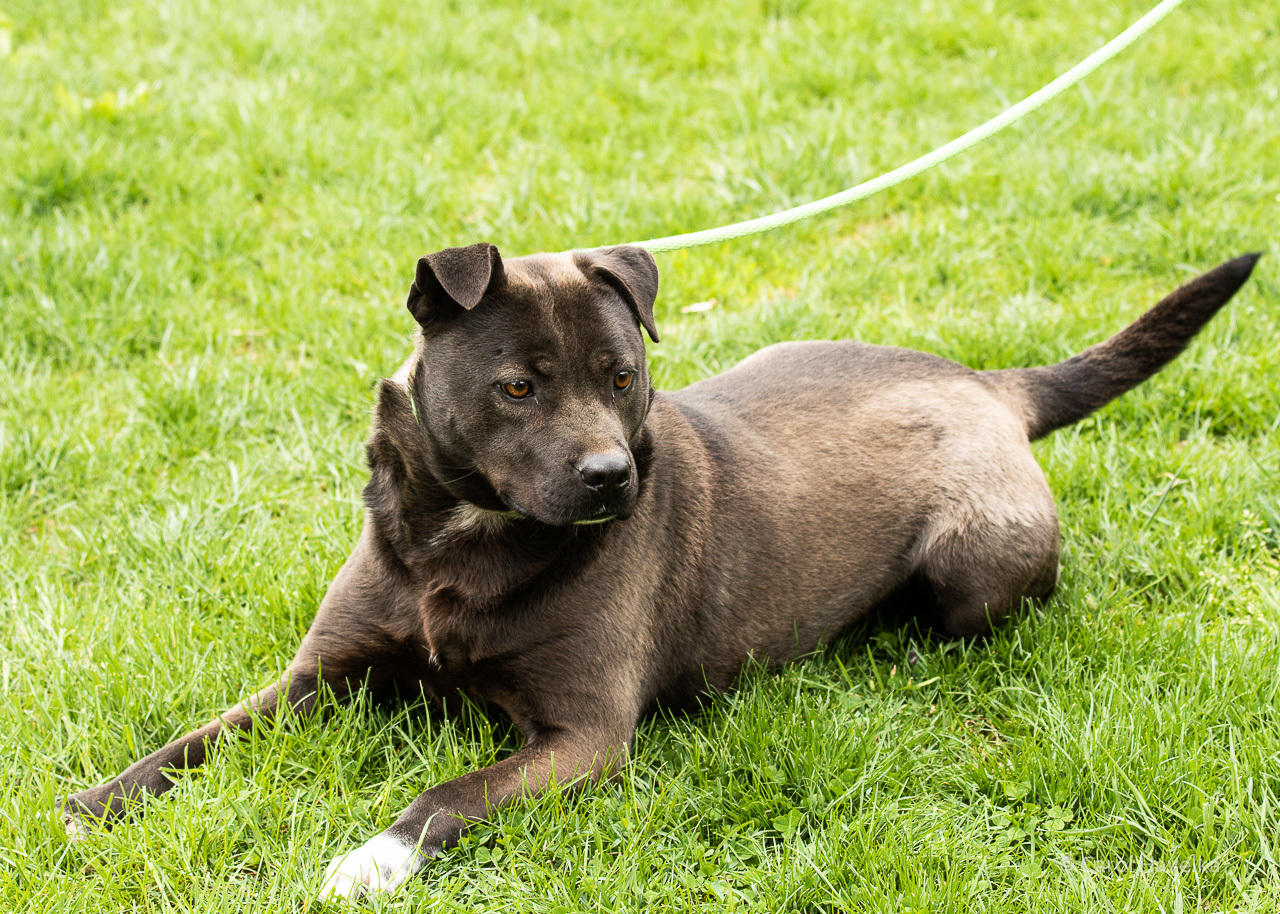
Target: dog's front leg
437	818
146	776
344	646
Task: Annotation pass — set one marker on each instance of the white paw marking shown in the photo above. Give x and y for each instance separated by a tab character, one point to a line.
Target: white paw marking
77	830
381	864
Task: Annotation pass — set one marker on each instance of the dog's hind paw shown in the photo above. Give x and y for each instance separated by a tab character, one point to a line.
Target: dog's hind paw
381	864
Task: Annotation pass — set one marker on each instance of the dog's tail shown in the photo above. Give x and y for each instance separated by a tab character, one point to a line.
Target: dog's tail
1058	395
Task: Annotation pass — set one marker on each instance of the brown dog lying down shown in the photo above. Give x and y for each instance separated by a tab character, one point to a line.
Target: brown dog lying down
546	533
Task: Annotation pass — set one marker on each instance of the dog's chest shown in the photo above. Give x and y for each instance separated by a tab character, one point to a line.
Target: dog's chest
448	646
458	641
459	656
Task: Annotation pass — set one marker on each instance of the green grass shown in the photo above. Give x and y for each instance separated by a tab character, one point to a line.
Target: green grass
203	275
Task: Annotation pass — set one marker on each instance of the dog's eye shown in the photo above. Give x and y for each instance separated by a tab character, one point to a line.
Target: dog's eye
517	390
622	380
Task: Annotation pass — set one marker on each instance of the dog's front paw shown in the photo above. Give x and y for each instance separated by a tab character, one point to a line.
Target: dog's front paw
77	828
381	864
79	819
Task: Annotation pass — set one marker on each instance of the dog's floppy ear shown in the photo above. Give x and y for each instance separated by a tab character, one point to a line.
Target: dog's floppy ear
633	274
453	278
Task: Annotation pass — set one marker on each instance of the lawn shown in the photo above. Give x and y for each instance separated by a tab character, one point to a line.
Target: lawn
209	216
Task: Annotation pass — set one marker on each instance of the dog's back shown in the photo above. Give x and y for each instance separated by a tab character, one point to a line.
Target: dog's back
855	467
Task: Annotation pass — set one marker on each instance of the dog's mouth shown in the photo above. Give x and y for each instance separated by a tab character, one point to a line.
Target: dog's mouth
602	515
515	506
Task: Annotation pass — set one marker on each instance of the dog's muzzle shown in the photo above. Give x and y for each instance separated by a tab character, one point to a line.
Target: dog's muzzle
608	478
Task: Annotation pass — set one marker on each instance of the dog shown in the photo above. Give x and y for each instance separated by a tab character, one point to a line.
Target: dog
545	533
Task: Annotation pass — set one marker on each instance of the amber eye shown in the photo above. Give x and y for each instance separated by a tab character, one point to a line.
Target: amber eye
622	380
517	390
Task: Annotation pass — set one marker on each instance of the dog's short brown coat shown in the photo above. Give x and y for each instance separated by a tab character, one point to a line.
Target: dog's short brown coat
754	514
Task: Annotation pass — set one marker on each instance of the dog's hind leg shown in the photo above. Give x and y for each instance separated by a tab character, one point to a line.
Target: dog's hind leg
987	553
978	584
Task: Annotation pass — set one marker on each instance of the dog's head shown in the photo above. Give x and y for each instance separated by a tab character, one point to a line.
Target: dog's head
530	379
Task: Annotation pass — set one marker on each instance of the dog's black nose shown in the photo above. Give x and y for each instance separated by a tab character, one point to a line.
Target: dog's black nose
605	472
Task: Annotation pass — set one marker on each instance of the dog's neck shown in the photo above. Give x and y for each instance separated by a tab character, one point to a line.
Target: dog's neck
464	555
